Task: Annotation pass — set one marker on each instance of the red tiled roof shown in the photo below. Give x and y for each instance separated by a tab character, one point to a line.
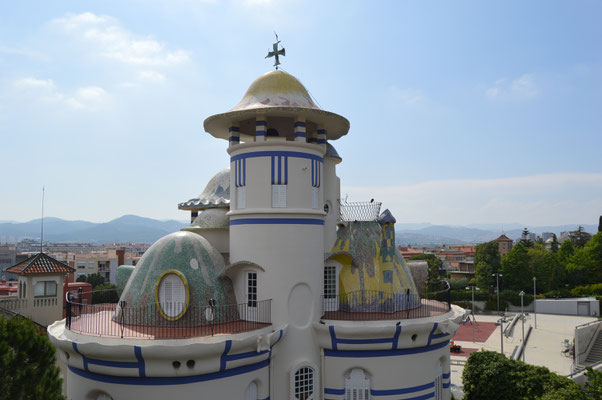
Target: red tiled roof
503	238
40	264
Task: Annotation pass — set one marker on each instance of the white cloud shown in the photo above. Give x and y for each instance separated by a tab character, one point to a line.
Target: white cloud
109	40
89	98
535	200
151	76
521	88
407	96
30	82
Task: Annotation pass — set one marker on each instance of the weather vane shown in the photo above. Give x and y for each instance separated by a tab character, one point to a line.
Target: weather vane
276	53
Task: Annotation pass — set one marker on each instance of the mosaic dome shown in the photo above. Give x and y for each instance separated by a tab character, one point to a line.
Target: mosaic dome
276	94
174	280
216	193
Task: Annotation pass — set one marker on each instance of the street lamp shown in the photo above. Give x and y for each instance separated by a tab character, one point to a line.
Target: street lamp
497	289
473	318
522	314
534	301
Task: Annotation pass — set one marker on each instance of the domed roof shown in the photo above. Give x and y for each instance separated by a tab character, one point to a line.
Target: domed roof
213	218
276	94
187	259
216	194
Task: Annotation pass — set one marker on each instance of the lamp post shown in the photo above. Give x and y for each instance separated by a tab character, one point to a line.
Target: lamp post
497	289
501	321
473	318
535	301
522	315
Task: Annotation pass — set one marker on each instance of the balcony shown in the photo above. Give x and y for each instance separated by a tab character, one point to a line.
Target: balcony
373	305
117	320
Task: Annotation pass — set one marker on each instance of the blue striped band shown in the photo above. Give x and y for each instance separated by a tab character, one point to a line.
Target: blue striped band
234	139
296	154
261	123
321	131
259	133
321	141
276	221
299	123
383	353
300	134
234	129
161	381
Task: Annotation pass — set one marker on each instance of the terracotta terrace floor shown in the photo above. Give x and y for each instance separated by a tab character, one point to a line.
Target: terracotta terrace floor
101	324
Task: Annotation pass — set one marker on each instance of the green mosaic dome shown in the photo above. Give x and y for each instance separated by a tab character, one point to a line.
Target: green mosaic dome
191	268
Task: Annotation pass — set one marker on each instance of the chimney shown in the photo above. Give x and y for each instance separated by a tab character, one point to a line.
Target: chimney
120	256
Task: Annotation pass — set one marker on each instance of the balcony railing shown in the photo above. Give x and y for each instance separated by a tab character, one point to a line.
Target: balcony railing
150	322
372	305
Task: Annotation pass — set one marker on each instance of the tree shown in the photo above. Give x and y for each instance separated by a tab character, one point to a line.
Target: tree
515	268
525	238
490	375
579	237
541	265
93	279
434	263
28	367
487	261
554	244
566	251
593	386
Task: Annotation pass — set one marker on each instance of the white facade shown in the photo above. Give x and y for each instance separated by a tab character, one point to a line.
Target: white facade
283	218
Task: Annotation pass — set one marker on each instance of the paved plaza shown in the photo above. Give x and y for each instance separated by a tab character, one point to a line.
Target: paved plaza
544	346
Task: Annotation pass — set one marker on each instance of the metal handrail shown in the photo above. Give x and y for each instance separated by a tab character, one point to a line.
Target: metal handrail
154	321
374	305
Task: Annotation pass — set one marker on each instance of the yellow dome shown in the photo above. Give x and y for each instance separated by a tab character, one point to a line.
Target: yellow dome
276	88
276	94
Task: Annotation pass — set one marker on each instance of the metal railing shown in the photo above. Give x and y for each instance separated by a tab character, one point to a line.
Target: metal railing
159	321
371	305
359	211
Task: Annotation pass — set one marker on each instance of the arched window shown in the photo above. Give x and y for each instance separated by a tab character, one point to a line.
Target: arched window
172	295
251	392
304	384
357	386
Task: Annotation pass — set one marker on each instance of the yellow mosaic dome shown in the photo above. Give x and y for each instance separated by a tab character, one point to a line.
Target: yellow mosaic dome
276	94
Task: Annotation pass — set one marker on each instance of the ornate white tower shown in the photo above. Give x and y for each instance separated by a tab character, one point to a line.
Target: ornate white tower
277	145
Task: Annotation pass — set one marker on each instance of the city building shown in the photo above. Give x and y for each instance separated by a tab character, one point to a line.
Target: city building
504	245
277	291
39	294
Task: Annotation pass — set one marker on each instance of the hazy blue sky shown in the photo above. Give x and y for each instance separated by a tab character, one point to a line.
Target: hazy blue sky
461	112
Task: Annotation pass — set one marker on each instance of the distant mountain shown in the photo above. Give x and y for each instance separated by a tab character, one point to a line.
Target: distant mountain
132	228
128	228
443	234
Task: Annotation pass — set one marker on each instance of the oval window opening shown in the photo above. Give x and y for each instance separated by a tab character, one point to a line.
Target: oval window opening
172	296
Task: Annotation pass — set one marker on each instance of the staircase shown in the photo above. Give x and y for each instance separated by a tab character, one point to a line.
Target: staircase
595	354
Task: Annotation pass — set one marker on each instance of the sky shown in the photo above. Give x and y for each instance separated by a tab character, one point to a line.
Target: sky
461	112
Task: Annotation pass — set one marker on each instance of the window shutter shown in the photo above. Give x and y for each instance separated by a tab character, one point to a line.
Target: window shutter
241	197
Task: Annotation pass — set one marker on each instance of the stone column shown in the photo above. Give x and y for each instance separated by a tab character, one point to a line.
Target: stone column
300	130
234	138
261	128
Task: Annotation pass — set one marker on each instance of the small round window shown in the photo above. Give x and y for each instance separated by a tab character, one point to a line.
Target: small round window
172	295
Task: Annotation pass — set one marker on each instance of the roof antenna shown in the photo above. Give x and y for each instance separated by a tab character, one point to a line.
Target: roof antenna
42	224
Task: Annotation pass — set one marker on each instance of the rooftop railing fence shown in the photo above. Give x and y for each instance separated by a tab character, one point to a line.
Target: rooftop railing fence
372	305
166	321
359	211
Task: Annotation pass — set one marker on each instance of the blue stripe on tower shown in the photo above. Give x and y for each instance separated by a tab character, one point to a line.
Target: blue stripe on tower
300	123
273	181
236	173
244	171
319	174
261	123
234	129
280	170
285	170
312	173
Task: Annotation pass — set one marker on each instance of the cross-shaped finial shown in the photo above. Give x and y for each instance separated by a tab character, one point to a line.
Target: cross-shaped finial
276	53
